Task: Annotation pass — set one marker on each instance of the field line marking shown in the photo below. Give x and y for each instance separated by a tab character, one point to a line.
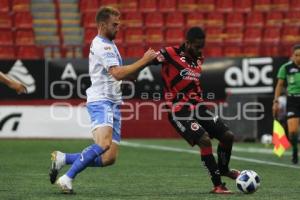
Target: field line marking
173	149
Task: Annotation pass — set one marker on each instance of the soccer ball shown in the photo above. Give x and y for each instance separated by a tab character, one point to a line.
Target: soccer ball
248	181
266	139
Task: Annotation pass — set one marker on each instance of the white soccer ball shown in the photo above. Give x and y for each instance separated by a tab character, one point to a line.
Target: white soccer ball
248	181
266	139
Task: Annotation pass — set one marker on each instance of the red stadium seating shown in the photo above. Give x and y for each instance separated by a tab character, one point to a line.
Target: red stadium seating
6	37
195	19
271	36
206	5
167	5
148	6
29	52
23	20
89	35
5	20
120	37
274	19
214	35
21	5
280	5
134	35
224	5
174	36
135	51
233	36
255	19
262	5
214	20
7	52
290	35
253	36
292	19
213	51
4	6
294	5
154	20
243	6
251	50
232	51
88	19
154	36
187	5
90	5
128	5
24	37
133	19
235	19
175	19
113	3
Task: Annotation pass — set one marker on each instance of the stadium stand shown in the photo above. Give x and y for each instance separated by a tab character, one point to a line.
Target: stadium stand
65	28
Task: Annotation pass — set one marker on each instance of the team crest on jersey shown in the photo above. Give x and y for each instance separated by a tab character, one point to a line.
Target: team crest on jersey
107	48
195	126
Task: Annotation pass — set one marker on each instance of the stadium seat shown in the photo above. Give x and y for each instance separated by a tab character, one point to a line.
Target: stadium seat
23	20
154	20
206	5
113	3
88	19
175	19
24	37
213	51
5	20
255	19
133	19
232	51
122	50
148	6
90	5
195	19
269	50
120	37
21	5
290	35
89	35
251	50
235	19
187	5
262	5
243	6
134	35
292	18
128	5
271	35
214	35
274	19
6	37
135	51
253	36
167	5
224	5
233	36
294	5
280	5
174	36
7	52
28	52
4	6
214	20
154	36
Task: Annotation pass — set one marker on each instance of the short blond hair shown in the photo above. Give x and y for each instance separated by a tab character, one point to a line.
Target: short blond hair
105	12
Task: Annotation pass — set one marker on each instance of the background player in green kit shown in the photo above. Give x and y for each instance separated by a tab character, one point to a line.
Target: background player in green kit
289	73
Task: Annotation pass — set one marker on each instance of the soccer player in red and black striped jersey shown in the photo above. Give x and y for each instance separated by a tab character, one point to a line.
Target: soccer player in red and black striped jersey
181	71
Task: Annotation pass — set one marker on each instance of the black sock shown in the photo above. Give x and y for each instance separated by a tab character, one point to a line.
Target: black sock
294	141
211	165
224	154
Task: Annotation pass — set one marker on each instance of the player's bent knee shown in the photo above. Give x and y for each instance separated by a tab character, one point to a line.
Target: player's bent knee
204	141
229	137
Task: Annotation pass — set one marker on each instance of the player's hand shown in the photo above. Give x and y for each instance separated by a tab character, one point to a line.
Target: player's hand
149	55
275	109
18	87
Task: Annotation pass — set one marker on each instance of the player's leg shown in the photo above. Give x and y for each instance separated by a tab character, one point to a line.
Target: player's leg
293	124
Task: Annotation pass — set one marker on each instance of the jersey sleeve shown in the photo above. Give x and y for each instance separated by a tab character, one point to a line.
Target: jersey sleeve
108	57
282	73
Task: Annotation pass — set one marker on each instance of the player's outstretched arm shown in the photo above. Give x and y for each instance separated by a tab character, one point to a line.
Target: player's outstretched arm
123	72
13	84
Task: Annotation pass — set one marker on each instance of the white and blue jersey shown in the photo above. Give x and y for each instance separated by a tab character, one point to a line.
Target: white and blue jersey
104	96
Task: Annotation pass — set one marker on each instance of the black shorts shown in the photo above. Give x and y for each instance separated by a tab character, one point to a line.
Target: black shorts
192	125
293	107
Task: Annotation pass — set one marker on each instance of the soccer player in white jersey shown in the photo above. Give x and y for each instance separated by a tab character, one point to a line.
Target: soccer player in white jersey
103	100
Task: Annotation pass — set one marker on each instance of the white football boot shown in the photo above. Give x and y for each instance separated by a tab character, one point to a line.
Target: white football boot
65	184
58	161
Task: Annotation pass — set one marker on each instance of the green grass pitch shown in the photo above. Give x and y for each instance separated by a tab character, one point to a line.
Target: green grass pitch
145	169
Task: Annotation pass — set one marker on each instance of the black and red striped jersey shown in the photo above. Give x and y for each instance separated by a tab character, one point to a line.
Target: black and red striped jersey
181	77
